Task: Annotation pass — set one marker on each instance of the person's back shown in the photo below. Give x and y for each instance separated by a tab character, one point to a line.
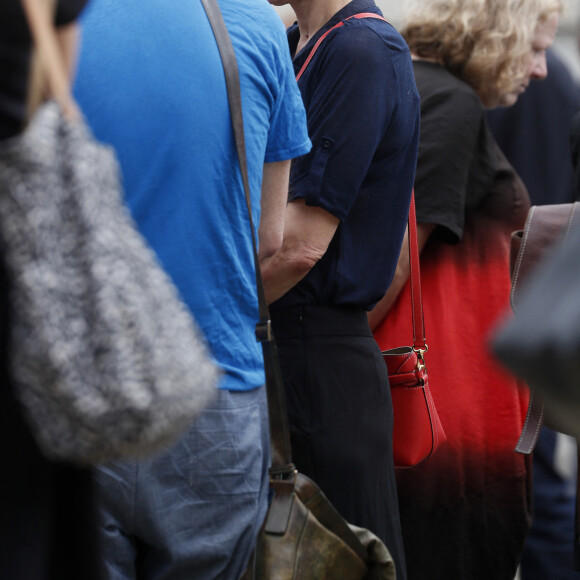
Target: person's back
533	134
151	83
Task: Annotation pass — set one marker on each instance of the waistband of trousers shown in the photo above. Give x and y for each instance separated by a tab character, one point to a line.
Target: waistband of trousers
320	320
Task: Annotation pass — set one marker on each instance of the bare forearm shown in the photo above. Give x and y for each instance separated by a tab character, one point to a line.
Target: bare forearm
280	273
68	38
384	305
273	206
308	231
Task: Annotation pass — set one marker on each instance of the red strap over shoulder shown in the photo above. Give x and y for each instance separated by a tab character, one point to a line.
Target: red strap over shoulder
419	341
319	41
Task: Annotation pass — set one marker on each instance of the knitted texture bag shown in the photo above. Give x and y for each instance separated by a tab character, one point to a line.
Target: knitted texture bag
105	357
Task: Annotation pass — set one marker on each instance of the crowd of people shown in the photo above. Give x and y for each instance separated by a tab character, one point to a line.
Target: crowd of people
345	116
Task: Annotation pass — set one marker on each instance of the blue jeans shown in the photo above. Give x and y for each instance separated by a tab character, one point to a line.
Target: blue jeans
193	512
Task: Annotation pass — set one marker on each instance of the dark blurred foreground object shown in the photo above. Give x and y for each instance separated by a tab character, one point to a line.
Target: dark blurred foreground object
546	227
48	519
541	343
534	135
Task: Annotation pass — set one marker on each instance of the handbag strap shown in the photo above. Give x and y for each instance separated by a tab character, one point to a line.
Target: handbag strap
279	431
417	318
341	23
38	15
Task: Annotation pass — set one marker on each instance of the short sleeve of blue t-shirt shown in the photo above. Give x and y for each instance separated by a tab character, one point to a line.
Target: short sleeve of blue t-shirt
287	139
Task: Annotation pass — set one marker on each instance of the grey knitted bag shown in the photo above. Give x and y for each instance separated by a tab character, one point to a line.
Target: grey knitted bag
105	357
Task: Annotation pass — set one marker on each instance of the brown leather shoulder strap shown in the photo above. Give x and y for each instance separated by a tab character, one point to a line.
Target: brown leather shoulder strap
279	431
546	225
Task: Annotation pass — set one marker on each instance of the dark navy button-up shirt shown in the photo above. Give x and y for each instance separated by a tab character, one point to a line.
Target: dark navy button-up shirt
363	114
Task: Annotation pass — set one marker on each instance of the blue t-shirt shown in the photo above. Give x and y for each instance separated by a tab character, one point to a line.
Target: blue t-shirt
363	113
151	83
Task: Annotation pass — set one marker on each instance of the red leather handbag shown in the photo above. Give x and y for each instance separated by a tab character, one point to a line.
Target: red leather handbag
417	430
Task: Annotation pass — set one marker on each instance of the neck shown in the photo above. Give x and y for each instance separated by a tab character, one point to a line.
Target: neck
312	16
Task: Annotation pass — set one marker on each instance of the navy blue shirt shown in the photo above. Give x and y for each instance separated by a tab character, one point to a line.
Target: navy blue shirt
363	113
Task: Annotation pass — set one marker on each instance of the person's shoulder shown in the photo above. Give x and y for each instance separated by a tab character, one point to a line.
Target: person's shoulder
440	88
257	15
370	34
255	25
368	44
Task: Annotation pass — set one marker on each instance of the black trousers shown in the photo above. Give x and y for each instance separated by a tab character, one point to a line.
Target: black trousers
340	414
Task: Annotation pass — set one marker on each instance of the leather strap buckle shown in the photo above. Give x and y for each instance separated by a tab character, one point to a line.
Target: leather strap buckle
283	471
421	357
264	331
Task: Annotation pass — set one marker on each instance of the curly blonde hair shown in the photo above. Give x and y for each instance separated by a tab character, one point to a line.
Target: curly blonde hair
486	43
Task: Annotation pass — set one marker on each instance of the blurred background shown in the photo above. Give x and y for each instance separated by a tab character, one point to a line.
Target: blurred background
566	44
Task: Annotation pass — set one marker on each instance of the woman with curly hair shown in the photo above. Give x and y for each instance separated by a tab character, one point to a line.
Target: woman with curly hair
466	511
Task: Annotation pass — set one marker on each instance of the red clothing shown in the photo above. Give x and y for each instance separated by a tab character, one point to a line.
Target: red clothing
465	512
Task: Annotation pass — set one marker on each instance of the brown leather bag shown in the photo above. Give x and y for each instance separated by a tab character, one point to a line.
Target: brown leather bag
546	226
303	536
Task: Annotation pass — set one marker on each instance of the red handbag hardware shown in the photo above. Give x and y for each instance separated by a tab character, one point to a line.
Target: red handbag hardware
417	429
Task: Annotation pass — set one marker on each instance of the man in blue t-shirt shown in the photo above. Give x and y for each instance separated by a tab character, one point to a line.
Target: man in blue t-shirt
151	83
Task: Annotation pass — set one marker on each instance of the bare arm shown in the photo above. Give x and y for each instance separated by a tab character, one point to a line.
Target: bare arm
378	313
273	207
308	231
68	38
61	74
